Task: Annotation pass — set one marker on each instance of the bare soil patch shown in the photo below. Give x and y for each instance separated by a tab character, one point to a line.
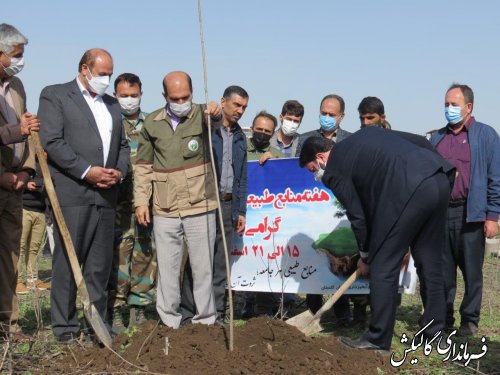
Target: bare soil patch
262	346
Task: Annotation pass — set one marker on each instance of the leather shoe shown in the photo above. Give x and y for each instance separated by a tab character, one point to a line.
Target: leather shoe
67	337
467	329
360	343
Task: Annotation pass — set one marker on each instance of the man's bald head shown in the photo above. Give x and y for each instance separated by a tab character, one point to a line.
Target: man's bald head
177	87
92	55
176	79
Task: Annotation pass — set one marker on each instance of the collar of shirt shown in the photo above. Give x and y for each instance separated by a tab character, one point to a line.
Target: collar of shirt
138	120
173	118
465	128
231	129
86	93
5	83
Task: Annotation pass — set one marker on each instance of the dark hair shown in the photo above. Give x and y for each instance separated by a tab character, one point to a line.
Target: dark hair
371	104
190	83
338	98
311	147
235	90
90	56
293	108
266	115
130	78
466	91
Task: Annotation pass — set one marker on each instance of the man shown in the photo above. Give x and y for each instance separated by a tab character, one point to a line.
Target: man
17	165
259	148
286	139
173	166
474	149
259	144
134	263
88	156
230	152
33	235
405	205
372	113
331	114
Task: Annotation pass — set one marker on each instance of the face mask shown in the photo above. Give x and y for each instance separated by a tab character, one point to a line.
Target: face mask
98	84
129	105
327	123
180	110
260	140
371	125
318	175
289	128
16	65
452	114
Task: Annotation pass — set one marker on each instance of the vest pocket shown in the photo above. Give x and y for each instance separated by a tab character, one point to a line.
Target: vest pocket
192	146
200	183
161	196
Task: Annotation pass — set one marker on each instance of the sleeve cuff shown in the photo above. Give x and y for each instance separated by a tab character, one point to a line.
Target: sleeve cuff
85	173
492	216
363	254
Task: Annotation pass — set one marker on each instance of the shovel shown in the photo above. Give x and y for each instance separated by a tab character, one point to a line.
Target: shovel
308	323
89	309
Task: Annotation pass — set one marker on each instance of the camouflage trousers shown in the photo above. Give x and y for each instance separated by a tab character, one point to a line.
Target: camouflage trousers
133	276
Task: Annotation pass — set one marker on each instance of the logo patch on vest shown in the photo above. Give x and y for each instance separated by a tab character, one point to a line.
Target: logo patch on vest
193	145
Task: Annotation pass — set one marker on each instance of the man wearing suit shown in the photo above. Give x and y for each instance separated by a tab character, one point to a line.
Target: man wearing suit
17	164
395	190
88	155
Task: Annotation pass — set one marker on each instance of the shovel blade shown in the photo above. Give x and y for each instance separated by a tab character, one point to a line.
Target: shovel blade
301	320
98	325
312	328
306	323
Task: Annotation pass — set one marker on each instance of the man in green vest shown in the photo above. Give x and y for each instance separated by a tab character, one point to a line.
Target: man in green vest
174	172
259	145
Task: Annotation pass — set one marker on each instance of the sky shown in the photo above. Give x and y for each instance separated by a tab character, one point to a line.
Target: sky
405	52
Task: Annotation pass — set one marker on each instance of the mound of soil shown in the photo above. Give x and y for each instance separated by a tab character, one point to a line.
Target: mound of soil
261	346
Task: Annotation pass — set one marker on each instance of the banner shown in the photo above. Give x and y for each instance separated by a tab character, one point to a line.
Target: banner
287	210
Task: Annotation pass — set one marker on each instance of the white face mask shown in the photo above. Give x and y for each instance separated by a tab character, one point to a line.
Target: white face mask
98	84
318	175
180	110
289	128
16	65
129	105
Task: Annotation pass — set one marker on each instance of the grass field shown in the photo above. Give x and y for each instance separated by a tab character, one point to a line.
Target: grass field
20	358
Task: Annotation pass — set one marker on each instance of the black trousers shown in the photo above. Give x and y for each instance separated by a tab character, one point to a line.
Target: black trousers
92	231
188	307
421	226
464	248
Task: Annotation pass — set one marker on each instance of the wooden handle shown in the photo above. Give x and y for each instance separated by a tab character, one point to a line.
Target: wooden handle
343	288
63	229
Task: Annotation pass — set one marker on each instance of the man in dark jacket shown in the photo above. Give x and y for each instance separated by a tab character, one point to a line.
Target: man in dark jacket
230	153
395	189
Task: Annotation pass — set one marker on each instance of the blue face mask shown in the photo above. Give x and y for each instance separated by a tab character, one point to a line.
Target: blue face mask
452	114
327	123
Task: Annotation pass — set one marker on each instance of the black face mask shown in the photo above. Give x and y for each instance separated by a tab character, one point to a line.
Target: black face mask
260	140
371	125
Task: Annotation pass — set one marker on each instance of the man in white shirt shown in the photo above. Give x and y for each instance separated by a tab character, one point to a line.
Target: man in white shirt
88	155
